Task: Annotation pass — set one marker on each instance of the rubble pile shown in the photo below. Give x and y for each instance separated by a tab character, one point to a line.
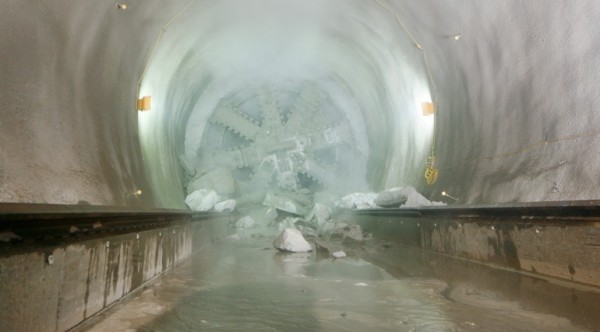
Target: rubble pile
405	197
296	220
357	201
226	206
202	200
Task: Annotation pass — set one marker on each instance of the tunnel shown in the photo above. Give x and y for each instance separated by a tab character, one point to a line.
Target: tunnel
125	124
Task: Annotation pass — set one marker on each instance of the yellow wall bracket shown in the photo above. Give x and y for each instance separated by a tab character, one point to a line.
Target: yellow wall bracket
428	108
144	103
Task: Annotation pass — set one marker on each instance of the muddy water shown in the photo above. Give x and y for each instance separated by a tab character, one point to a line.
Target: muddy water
245	285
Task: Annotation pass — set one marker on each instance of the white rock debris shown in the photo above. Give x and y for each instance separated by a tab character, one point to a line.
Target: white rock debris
291	240
392	198
283	203
226	206
288	222
202	200
408	196
234	237
353	232
338	254
271	214
415	199
357	201
245	222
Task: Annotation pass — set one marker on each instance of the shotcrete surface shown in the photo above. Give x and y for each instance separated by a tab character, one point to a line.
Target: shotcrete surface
516	87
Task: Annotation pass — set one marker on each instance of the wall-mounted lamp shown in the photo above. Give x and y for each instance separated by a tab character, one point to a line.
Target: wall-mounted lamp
122	6
427	108
450	196
136	193
144	103
457	37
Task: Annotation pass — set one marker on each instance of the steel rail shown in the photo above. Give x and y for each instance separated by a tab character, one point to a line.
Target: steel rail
20	222
569	210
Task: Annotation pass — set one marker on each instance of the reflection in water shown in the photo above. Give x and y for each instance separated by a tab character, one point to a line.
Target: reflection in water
246	286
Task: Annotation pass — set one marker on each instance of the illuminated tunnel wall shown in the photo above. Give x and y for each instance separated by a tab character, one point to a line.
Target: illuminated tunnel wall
516	92
356	54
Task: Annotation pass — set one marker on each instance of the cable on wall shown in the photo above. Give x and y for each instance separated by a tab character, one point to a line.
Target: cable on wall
431	172
163	29
526	148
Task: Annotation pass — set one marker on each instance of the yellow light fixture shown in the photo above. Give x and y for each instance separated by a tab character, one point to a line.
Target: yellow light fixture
144	103
428	108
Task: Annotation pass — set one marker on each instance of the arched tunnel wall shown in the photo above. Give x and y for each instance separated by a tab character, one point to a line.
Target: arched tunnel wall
516	85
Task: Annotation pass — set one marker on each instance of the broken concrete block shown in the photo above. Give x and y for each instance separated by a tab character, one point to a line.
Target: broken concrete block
225	206
202	200
234	237
262	214
283	203
291	240
245	222
333	229
354	232
271	214
391	198
288	222
319	214
220	180
306	229
321	247
338	254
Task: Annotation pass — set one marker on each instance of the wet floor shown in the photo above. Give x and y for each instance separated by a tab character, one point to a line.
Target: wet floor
246	285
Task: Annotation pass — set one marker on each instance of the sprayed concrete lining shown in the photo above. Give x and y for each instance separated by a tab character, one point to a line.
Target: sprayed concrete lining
56	287
516	82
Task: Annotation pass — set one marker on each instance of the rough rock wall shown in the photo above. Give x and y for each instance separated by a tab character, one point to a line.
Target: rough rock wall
518	91
68	73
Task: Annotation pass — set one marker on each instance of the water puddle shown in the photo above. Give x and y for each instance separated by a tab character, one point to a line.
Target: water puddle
244	285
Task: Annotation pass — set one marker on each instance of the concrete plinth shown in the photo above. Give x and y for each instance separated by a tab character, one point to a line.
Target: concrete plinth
55	287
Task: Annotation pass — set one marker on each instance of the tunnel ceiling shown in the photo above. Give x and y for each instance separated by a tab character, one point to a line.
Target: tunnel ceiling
514	85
